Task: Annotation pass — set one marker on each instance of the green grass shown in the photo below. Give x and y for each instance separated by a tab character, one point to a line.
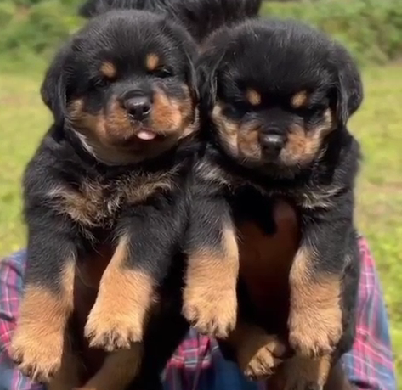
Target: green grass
23	119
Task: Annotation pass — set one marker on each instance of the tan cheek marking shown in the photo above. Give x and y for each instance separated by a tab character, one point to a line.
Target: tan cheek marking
108	70
165	114
299	100
152	62
228	131
253	97
89	124
248	142
301	147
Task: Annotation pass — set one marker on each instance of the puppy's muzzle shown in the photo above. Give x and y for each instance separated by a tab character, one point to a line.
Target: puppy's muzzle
138	105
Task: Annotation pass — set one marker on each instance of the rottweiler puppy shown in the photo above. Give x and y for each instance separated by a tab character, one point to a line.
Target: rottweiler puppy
113	167
199	17
276	96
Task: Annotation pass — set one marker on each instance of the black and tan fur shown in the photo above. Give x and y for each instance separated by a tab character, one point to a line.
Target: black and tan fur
113	167
95	179
276	98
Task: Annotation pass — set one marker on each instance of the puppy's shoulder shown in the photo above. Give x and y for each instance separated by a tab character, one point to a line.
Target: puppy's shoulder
51	163
342	160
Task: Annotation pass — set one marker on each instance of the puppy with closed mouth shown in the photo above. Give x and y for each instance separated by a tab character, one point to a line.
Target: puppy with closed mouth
113	167
276	98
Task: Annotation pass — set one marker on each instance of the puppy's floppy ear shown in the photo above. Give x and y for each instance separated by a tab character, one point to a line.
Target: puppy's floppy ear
54	85
207	76
349	86
192	80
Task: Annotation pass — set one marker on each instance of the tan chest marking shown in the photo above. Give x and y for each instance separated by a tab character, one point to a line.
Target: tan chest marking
94	204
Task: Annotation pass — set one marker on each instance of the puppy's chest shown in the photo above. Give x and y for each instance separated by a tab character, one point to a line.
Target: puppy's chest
98	203
308	194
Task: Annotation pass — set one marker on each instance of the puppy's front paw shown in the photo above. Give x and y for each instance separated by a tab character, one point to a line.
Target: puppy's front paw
37	354
112	327
315	335
211	311
260	354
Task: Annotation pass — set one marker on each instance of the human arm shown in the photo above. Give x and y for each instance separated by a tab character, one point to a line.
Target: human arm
369	365
12	272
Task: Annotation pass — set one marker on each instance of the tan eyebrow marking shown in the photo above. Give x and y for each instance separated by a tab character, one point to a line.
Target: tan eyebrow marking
152	61
253	97
108	70
300	99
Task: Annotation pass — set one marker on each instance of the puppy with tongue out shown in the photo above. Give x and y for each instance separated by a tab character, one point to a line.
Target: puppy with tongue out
138	122
113	168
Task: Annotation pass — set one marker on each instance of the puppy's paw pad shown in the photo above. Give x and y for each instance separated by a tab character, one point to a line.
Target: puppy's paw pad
211	314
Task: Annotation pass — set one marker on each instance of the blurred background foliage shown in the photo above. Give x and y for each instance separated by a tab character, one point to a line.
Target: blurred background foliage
372	29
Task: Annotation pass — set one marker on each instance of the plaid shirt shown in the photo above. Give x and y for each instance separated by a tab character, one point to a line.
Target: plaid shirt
198	364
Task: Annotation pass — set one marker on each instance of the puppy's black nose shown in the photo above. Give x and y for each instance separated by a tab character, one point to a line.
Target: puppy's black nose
138	107
272	142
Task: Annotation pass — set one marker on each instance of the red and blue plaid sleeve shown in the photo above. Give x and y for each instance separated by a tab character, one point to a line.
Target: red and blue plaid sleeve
11	284
369	364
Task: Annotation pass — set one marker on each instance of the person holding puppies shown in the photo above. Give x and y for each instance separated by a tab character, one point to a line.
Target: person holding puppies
198	363
209	369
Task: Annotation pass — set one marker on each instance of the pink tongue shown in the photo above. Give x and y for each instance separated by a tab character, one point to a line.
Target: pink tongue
146	135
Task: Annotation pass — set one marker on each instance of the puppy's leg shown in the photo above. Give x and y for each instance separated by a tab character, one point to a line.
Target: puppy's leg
68	377
301	373
149	236
118	371
316	277
257	352
40	336
210	302
317	280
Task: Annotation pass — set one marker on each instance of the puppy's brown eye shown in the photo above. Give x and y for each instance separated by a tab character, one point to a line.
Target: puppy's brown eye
103	82
235	110
163	72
